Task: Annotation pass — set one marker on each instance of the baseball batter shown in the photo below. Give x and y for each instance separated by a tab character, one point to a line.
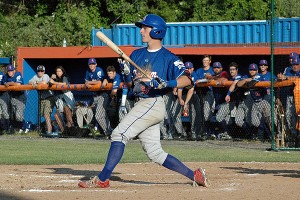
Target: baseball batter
144	118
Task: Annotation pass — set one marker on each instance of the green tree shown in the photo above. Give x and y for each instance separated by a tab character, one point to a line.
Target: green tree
46	23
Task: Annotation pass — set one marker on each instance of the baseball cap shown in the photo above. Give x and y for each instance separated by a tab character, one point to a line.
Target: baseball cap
217	65
263	62
293	54
253	66
10	68
188	65
295	60
92	61
40	68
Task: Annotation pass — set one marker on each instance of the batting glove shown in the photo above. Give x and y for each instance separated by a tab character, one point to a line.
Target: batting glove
159	83
124	66
154	83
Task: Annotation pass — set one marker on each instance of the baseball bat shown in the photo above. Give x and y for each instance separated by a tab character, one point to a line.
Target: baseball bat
116	49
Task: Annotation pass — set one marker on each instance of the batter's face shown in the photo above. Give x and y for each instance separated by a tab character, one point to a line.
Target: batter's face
145	32
111	75
233	71
92	67
206	62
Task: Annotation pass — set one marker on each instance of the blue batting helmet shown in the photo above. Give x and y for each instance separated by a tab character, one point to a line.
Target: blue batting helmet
158	25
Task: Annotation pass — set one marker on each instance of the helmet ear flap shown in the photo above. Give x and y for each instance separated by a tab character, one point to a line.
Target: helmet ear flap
158	25
156	33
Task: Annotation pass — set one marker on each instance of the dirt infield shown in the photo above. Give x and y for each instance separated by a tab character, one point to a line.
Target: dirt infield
151	181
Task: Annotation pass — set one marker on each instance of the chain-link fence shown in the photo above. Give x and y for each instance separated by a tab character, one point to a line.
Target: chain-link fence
225	106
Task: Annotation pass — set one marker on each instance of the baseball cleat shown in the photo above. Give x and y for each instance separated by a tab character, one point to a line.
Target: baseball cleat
200	178
94	182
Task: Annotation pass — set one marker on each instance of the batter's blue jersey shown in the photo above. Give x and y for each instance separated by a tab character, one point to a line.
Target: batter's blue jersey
161	63
97	75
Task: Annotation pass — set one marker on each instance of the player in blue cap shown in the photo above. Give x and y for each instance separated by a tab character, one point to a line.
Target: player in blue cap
144	118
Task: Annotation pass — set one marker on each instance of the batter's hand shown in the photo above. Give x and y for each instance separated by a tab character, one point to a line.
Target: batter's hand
124	66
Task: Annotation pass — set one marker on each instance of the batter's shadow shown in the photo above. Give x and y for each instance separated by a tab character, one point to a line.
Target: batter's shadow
87	174
275	172
136	182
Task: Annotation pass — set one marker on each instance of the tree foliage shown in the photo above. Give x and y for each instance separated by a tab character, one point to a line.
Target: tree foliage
45	23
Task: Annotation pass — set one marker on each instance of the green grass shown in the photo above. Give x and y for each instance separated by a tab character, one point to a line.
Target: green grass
33	150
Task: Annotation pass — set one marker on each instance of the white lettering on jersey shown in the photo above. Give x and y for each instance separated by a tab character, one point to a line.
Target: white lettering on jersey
256	77
18	78
99	74
179	64
153	74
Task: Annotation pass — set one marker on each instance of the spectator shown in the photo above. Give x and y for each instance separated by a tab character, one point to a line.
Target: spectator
18	98
65	101
4	102
95	76
47	99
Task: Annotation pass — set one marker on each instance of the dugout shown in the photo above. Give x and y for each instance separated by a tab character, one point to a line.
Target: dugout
74	60
243	42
